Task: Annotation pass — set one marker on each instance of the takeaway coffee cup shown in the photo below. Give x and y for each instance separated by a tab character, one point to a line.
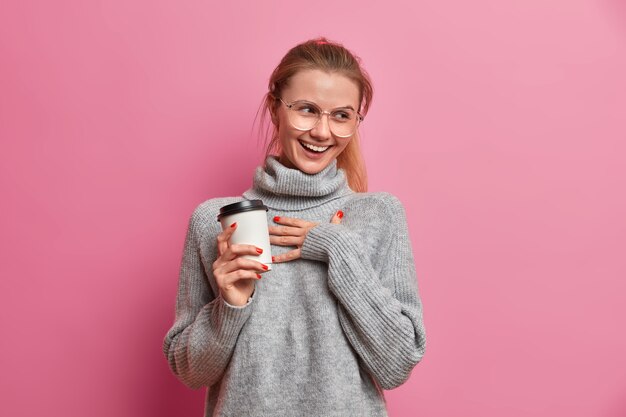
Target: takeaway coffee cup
251	219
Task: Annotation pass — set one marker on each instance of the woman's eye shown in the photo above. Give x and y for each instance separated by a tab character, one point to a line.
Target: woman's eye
341	115
306	109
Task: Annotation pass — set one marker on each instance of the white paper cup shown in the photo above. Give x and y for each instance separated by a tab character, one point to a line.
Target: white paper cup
251	219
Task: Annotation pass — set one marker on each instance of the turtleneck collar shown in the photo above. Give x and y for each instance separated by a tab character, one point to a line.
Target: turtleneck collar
285	188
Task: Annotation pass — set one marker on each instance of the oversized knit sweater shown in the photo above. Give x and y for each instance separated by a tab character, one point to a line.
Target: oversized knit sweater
322	335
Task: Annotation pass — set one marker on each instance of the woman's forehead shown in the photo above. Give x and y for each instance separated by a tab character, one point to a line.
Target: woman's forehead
327	89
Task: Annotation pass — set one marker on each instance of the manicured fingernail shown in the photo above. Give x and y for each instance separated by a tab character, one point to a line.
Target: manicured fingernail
276	218
340	214
273	259
265	267
233	225
259	250
258	276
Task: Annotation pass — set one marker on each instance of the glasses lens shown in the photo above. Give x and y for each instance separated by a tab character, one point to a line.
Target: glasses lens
343	122
305	116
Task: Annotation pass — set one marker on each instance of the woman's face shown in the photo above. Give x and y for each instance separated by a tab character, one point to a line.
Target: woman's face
329	91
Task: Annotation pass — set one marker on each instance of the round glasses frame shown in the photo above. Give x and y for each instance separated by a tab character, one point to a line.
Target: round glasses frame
289	106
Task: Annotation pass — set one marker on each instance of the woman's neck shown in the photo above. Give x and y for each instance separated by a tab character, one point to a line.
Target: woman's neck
284	188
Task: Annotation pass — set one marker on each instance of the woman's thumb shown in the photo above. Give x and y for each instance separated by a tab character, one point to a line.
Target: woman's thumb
337	217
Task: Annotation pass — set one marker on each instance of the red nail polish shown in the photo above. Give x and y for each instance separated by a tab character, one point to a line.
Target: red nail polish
233	225
259	250
340	214
258	276
273	259
265	267
276	218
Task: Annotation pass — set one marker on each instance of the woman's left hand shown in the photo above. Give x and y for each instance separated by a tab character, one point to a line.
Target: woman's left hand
292	233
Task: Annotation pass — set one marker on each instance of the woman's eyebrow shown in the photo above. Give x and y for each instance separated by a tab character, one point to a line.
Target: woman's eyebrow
347	106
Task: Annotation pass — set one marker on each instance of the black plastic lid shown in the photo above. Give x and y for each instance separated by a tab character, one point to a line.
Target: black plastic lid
246	205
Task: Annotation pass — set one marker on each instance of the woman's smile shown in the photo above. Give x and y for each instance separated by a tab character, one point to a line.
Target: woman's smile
316	149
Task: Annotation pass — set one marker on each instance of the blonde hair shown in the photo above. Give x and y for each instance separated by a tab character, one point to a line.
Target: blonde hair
328	56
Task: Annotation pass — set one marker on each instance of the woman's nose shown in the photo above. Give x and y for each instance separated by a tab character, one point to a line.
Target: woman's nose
321	130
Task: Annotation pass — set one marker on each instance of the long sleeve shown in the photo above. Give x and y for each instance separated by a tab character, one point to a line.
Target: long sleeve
379	306
200	344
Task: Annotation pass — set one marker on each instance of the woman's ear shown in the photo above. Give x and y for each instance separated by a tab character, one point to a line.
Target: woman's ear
274	112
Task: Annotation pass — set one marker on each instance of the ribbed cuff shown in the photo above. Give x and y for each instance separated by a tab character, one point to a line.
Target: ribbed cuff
243	306
319	240
228	319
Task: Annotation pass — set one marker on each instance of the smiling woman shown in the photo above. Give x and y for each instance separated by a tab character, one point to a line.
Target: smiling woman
338	318
309	141
328	75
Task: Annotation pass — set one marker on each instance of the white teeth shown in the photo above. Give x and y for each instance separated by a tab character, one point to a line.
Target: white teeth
315	148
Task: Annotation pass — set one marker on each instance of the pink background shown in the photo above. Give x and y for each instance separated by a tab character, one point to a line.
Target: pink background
500	125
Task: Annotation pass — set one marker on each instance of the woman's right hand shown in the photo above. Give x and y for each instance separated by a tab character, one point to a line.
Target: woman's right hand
235	275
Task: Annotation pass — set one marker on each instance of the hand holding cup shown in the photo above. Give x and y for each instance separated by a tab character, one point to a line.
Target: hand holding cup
234	274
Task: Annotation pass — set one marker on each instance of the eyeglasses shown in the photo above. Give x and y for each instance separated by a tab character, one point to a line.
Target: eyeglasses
305	115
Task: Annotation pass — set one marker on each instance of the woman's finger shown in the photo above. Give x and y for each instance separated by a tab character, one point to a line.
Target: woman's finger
243	263
287	256
290	221
229	279
233	251
287	240
223	237
286	231
337	217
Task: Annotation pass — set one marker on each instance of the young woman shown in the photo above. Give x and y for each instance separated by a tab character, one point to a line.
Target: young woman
338	318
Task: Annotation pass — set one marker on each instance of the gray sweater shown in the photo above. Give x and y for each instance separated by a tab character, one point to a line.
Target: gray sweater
322	335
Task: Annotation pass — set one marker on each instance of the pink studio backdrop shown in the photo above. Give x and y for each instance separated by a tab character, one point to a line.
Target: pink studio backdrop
500	125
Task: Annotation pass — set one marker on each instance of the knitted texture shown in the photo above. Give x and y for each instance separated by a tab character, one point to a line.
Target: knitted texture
323	335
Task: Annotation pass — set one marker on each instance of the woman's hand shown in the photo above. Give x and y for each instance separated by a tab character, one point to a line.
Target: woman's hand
234	275
292	233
